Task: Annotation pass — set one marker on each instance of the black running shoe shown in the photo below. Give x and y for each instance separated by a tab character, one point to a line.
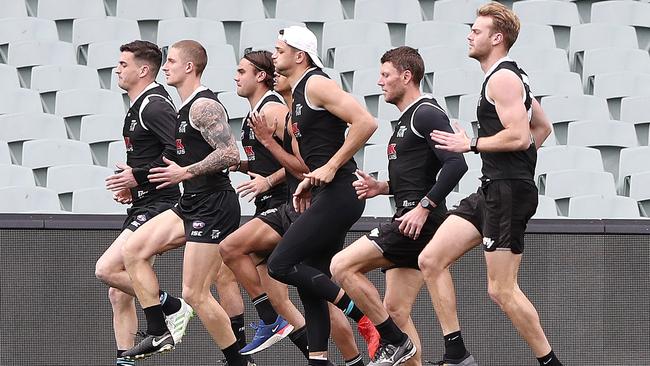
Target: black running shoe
149	346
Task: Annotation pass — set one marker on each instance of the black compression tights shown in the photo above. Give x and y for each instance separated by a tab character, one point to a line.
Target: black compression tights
303	256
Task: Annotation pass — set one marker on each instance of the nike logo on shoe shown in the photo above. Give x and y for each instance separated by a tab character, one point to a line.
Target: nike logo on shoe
156	342
275	329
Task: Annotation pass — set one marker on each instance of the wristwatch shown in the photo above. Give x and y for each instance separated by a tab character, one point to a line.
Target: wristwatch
472	145
426	203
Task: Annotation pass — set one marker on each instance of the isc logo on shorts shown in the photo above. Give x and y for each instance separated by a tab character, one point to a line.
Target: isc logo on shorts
196	233
269	211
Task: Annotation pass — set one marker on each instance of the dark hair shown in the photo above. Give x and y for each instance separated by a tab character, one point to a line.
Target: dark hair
406	58
146	52
263	62
504	21
192	51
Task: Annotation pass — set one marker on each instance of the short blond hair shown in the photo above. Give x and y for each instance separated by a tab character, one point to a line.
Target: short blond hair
504	21
192	51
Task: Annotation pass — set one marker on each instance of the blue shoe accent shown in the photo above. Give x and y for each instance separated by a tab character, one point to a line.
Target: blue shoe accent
267	335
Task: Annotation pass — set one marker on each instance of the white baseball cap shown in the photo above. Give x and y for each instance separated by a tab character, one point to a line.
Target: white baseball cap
302	39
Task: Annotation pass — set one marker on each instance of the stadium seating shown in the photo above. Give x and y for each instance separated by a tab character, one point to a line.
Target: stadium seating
387	111
99	130
16	175
237	178
460	11
237	108
64	179
531	58
635	110
379	206
604	60
564	109
48	79
545	83
639	190
148	13
13	9
470	182
546	208
5	154
95	201
337	33
437	33
44	153
381	135
116	154
535	35
449	85
616	85
561	15
598	35
261	34
19	127
19	199
567	157
9	77
397	14
18	100
634	13
598	206
561	186
375	158
309	11
24	29
204	31
633	160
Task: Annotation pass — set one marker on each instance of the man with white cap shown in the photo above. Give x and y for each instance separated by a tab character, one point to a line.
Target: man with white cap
321	112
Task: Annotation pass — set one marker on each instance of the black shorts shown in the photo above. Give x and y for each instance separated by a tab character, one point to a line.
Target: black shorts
208	217
269	201
401	250
279	218
500	211
142	211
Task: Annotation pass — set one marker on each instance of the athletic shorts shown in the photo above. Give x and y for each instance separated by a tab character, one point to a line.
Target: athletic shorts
500	211
208	217
279	218
141	212
269	201
401	250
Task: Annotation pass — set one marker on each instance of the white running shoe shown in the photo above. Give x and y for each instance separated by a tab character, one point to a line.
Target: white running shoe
177	322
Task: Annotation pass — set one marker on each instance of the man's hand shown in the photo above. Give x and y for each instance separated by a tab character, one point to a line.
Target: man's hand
254	187
262	128
411	223
302	196
169	175
366	186
321	176
456	142
123	196
121	180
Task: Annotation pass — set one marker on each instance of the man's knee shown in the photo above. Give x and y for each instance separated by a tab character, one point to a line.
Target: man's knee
398	311
119	298
430	264
339	267
501	294
228	250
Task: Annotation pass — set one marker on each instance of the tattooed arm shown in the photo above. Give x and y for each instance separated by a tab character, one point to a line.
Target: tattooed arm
209	117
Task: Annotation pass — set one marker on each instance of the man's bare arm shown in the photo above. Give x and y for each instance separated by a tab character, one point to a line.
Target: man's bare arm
209	117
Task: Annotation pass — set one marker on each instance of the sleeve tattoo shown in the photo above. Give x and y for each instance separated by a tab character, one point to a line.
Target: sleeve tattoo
209	117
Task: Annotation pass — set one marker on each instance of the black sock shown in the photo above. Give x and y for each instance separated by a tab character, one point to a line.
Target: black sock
155	320
390	332
119	352
318	362
232	355
299	338
169	303
347	305
356	361
265	309
454	346
237	325
549	360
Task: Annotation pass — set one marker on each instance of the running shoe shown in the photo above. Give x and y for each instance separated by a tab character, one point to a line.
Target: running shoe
149	346
467	360
394	354
178	321
267	335
122	361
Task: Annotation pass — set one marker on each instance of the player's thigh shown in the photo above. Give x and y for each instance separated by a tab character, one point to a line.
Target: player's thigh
161	233
402	288
201	265
112	257
453	238
361	256
253	236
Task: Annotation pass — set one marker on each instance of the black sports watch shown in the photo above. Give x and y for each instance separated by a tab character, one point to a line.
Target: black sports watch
426	203
472	145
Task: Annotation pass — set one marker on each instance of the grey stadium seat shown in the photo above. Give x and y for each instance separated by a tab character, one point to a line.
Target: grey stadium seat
348	59
564	109
5	154
24	29
469	182
639	190
382	134
9	77
72	104
545	83
64	179
598	35
13	9
379	206
397	14
237	108
231	16
337	33
23	199
375	158
616	85
65	11
611	59
104	56
219	79
607	207
19	127
98	130
236	178
44	153
546	208
437	33
564	157
48	79
531	58
449	85
204	31
19	100
559	14
634	13
607	136
86	31
635	110
116	154
561	185
309	11
460	11
387	111
16	175
633	160
535	35
33	53
148	13
95	201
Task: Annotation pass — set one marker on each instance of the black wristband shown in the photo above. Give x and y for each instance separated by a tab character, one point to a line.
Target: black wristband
472	145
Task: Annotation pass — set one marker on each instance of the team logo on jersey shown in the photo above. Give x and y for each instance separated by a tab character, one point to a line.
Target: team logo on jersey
391	151
401	131
198	224
298	109
141	218
142	193
215	234
133	124
182	127
295	130
250	153
128	144
374	233
180	148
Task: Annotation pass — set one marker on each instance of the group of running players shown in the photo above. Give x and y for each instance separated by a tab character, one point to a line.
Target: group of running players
300	138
